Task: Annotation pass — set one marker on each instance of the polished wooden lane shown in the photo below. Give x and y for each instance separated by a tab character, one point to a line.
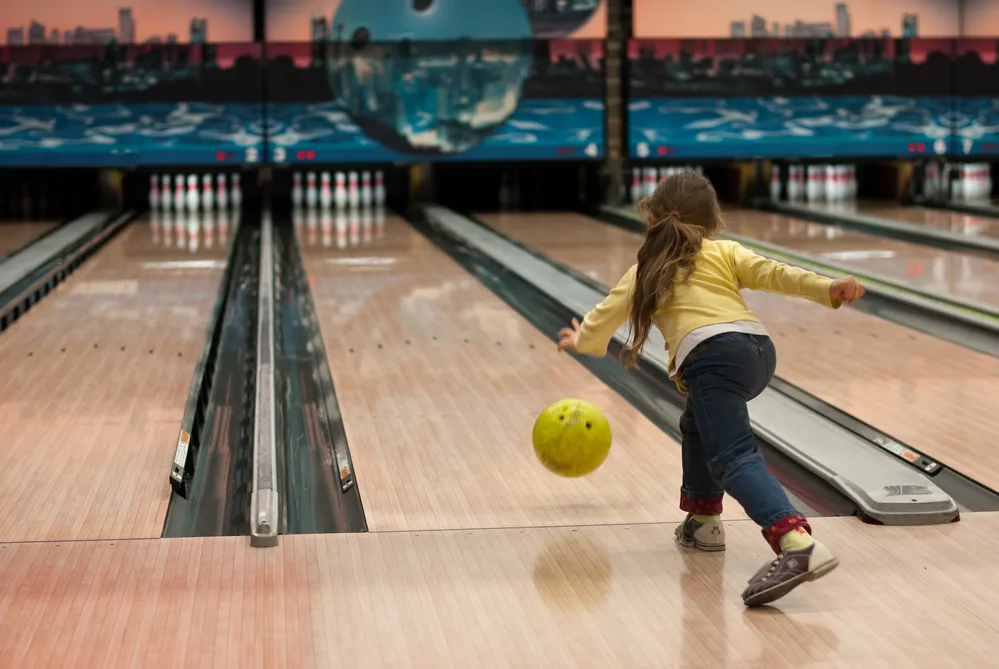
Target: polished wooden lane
622	596
439	383
961	275
94	385
939	219
937	396
15	234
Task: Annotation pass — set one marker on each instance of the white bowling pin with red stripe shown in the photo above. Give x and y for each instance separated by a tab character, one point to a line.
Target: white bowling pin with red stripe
325	191
154	192
353	193
379	188
222	193
296	189
366	189
340	190
207	192
311	192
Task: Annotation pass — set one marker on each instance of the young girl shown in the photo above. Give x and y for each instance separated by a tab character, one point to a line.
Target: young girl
720	355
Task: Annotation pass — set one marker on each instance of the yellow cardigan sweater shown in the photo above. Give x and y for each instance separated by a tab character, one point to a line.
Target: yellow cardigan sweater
709	297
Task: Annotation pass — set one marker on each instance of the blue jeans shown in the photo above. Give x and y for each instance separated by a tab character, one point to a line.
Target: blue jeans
719	449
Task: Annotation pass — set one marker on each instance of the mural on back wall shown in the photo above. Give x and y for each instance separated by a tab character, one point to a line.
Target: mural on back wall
438	80
133	22
152	83
300	20
846	78
815	18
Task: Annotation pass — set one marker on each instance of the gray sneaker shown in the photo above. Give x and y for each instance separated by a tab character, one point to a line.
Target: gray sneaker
702	536
788	571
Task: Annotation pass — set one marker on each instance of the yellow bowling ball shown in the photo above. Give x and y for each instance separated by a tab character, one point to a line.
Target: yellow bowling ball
572	437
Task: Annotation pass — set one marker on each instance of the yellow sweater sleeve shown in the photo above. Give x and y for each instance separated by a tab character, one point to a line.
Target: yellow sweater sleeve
758	273
603	321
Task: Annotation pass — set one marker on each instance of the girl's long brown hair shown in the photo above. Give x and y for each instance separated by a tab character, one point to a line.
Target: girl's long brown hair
681	212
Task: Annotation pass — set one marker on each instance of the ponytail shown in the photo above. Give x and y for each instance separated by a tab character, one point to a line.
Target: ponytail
667	256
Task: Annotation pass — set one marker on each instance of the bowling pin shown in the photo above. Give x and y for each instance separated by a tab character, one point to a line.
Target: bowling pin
775	183
353	196
207	193
222	193
154	192
237	192
325	191
298	220
311	194
379	188
178	193
340	191
366	189
165	200
650	182
193	200
636	185
792	183
296	190
224	227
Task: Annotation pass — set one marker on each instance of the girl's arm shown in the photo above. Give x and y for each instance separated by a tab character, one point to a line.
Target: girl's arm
758	273
599	326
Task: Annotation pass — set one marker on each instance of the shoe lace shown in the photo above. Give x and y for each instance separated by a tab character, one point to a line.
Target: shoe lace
773	567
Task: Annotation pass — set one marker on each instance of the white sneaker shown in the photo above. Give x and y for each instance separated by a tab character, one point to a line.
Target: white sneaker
702	536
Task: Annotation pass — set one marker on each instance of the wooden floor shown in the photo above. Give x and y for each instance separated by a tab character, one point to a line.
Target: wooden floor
15	234
93	390
961	275
940	219
601	597
936	396
439	383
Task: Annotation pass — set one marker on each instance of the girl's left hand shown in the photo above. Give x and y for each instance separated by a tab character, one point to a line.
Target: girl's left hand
567	337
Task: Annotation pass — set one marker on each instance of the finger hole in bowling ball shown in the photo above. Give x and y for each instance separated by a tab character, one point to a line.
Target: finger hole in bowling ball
360	38
422	5
588	426
561	417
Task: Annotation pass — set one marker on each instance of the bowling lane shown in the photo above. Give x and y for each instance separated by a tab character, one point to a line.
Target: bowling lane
939	219
937	396
439	383
15	234
96	377
949	273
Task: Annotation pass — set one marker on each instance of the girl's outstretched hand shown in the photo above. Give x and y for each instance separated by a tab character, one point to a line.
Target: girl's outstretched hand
847	289
567	337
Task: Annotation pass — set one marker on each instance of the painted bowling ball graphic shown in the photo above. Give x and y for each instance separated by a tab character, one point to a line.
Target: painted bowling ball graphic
432	77
551	19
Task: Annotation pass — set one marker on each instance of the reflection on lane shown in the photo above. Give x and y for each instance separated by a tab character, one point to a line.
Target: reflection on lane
350	228
14	235
938	219
955	274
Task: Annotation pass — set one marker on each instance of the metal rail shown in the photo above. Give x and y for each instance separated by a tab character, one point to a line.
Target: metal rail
264	507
